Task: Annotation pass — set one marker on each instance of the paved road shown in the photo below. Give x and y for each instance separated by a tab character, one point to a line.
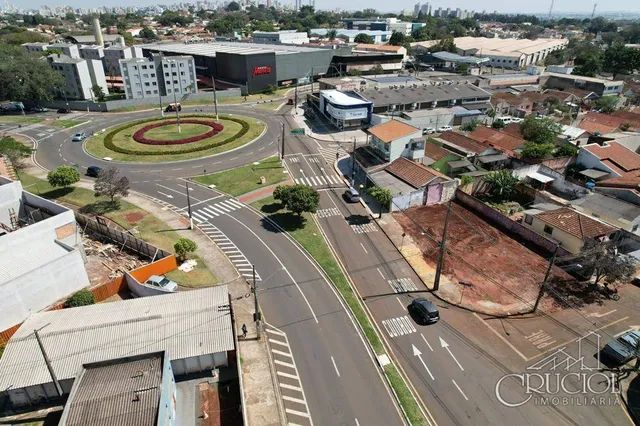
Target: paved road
325	371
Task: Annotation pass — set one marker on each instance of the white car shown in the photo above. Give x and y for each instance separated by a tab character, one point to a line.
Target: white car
160	281
444	129
517	120
506	119
428	131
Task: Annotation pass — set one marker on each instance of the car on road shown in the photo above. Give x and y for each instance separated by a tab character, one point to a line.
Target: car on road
505	119
442	129
428	131
352	195
622	349
93	171
64	111
517	120
424	311
79	137
162	282
173	107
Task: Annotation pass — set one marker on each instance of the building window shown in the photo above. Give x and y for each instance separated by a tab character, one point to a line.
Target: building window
548	229
528	219
148	92
155	92
144	67
154	83
153	75
146	83
166	66
181	64
168	90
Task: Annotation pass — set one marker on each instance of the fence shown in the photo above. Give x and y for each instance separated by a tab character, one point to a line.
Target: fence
124	239
507	224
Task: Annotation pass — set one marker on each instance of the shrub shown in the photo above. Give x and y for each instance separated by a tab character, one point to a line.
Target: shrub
83	297
138	136
183	247
63	176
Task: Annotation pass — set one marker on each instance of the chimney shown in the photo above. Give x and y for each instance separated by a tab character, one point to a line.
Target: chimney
97	32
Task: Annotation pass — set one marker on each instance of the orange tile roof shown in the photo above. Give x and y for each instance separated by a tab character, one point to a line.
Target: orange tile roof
594	128
496	139
574	223
378	47
463	142
435	151
391	130
617	154
412	173
606	123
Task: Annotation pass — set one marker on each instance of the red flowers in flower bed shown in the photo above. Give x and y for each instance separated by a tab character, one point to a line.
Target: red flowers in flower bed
215	129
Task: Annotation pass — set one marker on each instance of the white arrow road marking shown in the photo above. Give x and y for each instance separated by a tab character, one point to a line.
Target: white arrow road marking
597	315
416	352
446	346
166	195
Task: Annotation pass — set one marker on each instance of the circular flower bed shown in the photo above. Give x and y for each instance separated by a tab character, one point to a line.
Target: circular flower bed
139	136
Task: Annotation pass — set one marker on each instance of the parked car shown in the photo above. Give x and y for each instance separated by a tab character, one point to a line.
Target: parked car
506	119
424	311
623	348
160	281
79	137
517	120
93	171
444	129
352	195
428	131
37	108
64	110
173	107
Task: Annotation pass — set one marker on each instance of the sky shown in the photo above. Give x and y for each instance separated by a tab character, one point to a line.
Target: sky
507	6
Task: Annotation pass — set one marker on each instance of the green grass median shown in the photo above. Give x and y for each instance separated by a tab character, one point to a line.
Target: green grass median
241	180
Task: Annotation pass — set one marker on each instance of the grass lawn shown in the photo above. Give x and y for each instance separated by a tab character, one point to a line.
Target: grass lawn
305	231
442	164
65	123
244	179
95	145
26	120
171	133
148	226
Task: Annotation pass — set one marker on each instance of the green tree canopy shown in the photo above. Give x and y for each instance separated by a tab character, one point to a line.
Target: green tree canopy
534	150
82	297
619	59
363	38
607	103
540	130
183	247
233	6
445	45
63	176
26	77
297	198
383	197
502	184
148	34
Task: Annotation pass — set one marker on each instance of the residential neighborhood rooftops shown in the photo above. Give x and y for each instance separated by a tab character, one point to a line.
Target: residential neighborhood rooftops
496	139
614	154
610	209
584	78
462	141
574	223
184	324
391	130
424	93
412	173
606	123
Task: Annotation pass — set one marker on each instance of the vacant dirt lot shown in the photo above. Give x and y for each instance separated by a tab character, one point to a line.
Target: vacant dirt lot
489	267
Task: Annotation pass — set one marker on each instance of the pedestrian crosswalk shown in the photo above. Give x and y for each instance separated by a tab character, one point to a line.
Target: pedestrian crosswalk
364	228
328	212
402	284
399	326
329	179
202	213
329	150
239	260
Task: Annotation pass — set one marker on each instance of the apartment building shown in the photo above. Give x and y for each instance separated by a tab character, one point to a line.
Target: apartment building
159	76
76	75
113	55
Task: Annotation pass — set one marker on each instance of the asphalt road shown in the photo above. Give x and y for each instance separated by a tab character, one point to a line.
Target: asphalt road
341	383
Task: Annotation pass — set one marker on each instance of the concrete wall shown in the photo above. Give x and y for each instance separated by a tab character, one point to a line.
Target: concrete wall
198	364
167	406
590	161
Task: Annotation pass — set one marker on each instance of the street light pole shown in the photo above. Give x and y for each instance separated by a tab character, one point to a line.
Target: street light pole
256	307
443	245
543	286
353	164
160	101
215	96
282	148
173	89
186	184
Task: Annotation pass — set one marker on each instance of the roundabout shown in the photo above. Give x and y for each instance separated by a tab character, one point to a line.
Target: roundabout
160	140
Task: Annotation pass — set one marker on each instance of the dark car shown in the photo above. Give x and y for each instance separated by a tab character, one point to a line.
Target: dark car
64	110
93	171
623	348
424	311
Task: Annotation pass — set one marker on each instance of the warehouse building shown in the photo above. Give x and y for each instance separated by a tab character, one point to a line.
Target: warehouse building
280	37
193	328
253	66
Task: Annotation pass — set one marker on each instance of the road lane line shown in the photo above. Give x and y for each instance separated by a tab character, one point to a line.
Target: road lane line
272	331
380	272
283	363
460	390
365	250
400	302
357	422
291	387
278	342
335	366
425	341
297	413
501	337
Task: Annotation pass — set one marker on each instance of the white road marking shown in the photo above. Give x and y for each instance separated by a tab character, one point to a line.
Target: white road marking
210	210
380	272
292	399
297	413
335	366
278	342
166	195
425	341
400	302
365	250
460	390
597	315
418	354
398	326
286	364
445	345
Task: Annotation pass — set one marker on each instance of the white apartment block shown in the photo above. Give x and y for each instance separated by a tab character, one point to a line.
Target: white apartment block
160	76
113	55
92	52
76	75
96	73
67	49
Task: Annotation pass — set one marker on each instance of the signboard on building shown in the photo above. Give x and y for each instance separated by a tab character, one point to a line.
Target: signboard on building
261	70
347	114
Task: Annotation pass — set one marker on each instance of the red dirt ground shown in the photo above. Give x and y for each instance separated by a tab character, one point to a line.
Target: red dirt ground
491	266
134	217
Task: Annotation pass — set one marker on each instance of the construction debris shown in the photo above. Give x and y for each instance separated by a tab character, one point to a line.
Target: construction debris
188	265
113	261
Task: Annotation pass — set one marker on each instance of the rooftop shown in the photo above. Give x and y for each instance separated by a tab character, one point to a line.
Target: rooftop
183	324
574	223
607	123
211	49
496	139
583	78
378	47
391	130
124	392
453	57
412	173
609	209
344	97
462	141
616	154
424	94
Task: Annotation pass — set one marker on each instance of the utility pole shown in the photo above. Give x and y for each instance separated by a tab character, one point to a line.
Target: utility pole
443	246
215	96
186	184
353	164
256	308
282	147
173	87
160	100
295	96
543	286
49	366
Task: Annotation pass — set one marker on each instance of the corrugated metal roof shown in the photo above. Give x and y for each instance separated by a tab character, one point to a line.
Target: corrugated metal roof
184	324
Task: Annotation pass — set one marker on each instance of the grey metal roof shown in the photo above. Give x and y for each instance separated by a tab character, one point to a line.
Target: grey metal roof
211	49
424	93
184	324
492	158
609	209
453	57
123	392
594	173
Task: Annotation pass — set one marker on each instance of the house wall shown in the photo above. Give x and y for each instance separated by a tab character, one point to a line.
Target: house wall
200	363
590	161
168	395
569	242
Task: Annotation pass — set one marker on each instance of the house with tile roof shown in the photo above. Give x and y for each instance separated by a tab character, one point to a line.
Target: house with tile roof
394	139
502	141
595	122
568	227
611	157
475	153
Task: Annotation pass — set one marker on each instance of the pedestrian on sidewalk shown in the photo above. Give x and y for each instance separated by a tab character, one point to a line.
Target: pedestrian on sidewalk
244	331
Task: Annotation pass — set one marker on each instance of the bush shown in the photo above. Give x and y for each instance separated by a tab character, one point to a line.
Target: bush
83	297
183	247
470	126
63	176
108	139
138	136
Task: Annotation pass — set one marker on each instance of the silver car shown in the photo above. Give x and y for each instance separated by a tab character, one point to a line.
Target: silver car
159	281
79	137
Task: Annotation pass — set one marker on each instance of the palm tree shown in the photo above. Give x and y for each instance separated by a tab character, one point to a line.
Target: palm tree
502	184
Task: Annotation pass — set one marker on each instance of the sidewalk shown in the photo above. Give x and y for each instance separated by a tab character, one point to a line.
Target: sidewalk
260	193
323	131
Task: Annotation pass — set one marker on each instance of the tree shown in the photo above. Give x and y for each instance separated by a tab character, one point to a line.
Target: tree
183	247
383	197
589	68
619	59
463	68
502	184
498	124
109	183
540	130
332	34
297	198
147	34
63	176
607	265
607	103
534	150
82	297
445	45
470	126
128	38
566	151
233	7
98	92
25	76
363	38
397	39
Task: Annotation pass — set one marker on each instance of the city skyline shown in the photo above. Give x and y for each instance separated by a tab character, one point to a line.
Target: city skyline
560	6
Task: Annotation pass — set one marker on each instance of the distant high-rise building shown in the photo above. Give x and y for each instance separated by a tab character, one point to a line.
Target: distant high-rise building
416	9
